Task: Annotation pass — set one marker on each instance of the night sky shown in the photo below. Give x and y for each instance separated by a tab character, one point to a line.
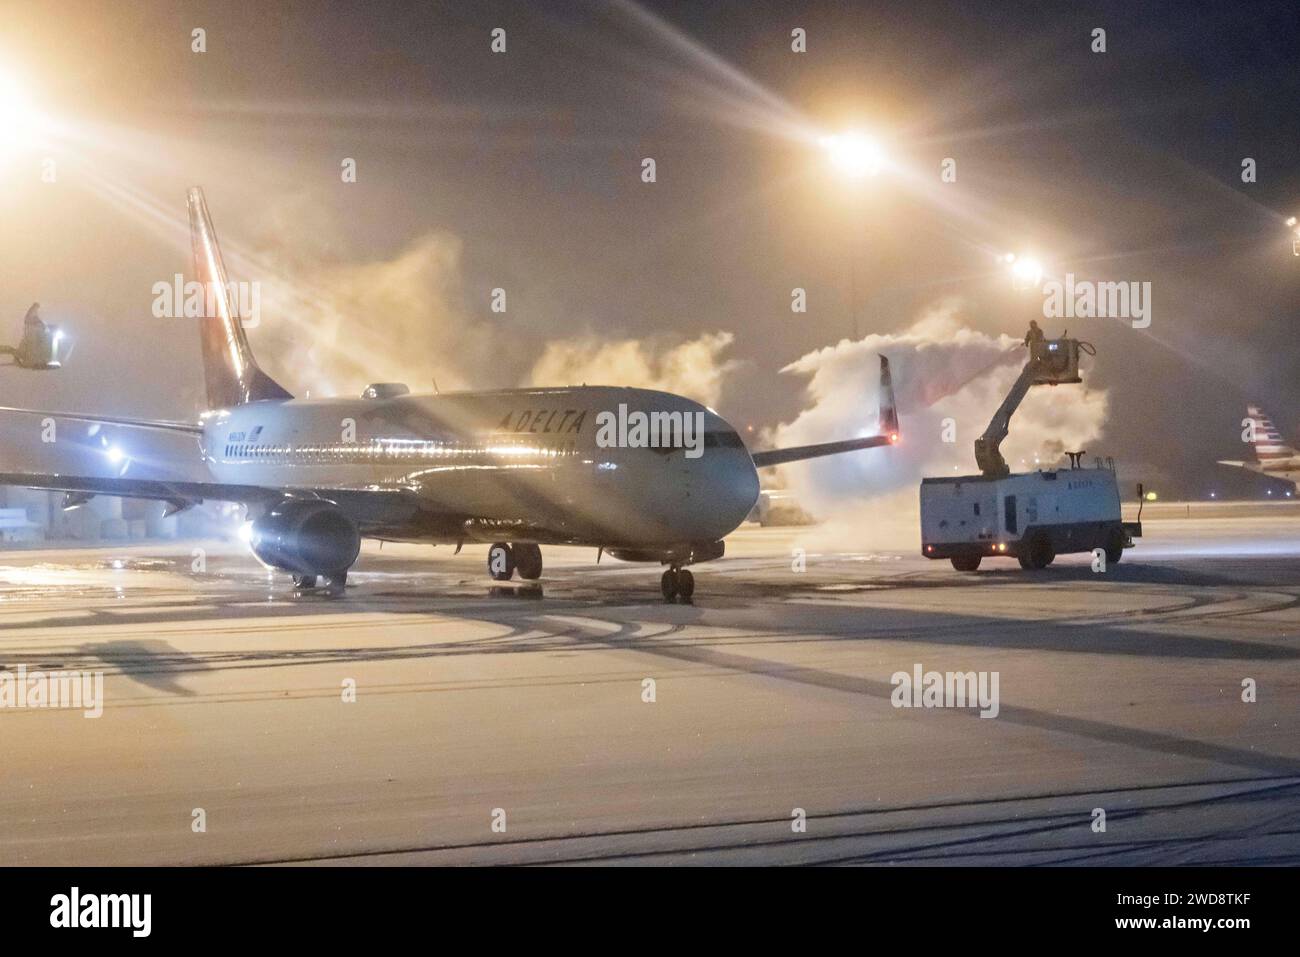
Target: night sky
522	171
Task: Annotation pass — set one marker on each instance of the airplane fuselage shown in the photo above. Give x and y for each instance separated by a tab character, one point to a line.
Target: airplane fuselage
1287	469
516	465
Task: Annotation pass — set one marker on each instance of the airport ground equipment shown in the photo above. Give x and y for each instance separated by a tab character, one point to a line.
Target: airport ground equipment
42	346
1030	516
1051	362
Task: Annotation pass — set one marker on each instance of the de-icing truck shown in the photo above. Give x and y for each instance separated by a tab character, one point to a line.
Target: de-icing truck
1030	516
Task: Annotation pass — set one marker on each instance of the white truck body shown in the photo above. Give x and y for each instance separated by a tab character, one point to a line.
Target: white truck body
1033	516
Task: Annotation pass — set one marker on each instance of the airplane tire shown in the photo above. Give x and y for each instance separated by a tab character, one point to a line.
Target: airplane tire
304	582
501	562
965	563
528	560
336	583
668	584
685	585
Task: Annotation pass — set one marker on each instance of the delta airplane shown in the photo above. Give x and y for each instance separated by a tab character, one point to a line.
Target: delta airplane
643	475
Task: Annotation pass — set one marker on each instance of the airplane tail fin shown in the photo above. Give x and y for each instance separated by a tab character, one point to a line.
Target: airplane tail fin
1261	434
888	405
230	372
888	432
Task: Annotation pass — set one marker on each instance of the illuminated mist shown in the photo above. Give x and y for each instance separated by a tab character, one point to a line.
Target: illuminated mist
949	378
694	368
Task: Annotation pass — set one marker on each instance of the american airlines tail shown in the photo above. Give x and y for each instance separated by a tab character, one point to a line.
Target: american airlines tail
231	373
1269	453
1265	440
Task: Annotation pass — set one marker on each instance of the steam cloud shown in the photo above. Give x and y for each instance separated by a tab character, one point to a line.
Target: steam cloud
694	368
334	326
947	376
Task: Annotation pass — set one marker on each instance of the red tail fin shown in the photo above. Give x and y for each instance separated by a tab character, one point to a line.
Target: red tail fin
229	369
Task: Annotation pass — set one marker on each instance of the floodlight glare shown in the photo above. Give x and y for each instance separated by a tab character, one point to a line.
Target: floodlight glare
19	118
1026	272
853	154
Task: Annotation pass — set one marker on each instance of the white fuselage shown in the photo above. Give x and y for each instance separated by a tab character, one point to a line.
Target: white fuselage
515	465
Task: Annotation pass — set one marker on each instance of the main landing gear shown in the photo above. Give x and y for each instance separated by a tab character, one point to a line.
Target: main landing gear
677	583
334	584
505	559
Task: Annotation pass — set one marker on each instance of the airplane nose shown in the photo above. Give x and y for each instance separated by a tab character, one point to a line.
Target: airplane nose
733	494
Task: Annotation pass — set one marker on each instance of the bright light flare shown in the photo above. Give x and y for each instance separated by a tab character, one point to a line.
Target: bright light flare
853	154
1026	271
114	454
20	120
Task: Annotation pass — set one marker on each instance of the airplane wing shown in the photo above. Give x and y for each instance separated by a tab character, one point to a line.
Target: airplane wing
800	452
159	489
184	481
192	428
365	505
888	432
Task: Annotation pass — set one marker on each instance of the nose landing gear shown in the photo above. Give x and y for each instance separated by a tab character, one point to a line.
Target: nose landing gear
501	562
504	559
528	560
676	583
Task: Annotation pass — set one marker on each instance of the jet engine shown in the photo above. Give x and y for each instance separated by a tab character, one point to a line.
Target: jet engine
306	537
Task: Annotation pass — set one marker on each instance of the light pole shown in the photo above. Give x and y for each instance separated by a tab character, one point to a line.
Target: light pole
855	156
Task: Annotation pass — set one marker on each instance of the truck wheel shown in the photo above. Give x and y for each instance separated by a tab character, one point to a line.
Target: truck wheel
965	563
1038	553
1114	547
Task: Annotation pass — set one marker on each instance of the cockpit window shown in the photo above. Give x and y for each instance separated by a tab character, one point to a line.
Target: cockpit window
712	440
